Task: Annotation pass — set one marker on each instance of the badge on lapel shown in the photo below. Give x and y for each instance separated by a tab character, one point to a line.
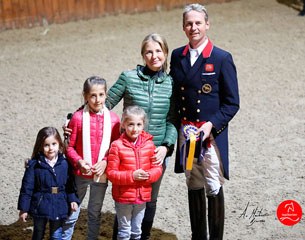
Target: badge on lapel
209	67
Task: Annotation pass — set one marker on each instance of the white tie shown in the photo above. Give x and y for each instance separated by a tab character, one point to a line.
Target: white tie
194	55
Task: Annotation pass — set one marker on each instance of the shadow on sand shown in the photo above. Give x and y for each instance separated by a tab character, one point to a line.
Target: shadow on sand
295	4
22	231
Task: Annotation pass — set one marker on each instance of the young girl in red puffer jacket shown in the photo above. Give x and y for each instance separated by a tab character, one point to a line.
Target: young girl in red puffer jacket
131	170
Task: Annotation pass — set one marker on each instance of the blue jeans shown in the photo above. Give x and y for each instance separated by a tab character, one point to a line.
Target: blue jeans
95	203
130	218
151	206
40	228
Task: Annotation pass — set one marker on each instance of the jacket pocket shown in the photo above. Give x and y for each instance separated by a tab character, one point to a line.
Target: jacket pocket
36	203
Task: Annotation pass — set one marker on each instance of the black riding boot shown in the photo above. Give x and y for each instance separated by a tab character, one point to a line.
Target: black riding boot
197	208
146	228
216	215
115	229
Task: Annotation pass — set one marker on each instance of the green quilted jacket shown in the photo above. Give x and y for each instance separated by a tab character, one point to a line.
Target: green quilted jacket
154	95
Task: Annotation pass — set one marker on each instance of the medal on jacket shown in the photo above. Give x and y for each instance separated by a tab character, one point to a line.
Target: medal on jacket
206	88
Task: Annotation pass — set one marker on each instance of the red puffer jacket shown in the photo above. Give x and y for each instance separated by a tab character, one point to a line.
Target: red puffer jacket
75	148
124	158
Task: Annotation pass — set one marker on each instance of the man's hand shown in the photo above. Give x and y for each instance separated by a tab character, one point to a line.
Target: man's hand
206	128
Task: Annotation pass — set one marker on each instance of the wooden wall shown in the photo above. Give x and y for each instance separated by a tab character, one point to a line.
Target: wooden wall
30	13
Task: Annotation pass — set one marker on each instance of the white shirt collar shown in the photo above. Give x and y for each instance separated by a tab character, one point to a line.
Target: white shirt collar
194	53
52	162
200	48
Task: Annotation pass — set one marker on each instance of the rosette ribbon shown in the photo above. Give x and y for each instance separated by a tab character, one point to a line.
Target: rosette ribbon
188	147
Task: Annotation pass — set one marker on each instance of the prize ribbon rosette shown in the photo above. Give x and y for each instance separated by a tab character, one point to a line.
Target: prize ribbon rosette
188	146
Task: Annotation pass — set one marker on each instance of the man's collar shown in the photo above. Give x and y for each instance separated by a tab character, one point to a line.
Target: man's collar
206	52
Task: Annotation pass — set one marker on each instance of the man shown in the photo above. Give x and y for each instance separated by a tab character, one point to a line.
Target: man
206	92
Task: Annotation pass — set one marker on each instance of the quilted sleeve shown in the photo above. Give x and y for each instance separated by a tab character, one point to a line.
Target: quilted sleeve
72	155
116	175
27	187
116	92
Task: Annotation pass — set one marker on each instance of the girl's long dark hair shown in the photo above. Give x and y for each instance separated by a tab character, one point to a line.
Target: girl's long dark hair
41	137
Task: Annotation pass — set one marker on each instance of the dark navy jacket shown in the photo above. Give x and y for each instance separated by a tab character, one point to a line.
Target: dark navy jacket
36	195
208	91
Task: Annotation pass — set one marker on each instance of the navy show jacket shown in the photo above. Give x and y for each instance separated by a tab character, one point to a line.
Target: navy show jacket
207	91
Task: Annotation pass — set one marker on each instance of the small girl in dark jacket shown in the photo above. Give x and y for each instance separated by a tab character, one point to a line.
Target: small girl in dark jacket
47	192
131	171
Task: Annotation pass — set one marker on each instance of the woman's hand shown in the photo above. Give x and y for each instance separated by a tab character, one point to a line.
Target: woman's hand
160	153
67	131
140	175
99	167
23	216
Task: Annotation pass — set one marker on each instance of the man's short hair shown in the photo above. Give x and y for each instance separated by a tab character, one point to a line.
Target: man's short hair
195	7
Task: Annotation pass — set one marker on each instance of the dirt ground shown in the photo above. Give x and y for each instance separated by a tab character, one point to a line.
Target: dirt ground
41	75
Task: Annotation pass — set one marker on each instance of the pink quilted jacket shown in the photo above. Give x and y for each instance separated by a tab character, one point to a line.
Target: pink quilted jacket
75	148
124	158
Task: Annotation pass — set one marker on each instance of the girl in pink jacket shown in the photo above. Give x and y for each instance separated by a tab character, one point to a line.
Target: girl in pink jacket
93	129
131	172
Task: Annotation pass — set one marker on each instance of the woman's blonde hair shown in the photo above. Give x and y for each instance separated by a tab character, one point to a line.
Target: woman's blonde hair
162	42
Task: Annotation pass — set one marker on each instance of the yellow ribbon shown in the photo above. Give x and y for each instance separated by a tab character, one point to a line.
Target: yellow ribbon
190	157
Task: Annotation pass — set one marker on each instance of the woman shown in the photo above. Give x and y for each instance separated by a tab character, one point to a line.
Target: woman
150	87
